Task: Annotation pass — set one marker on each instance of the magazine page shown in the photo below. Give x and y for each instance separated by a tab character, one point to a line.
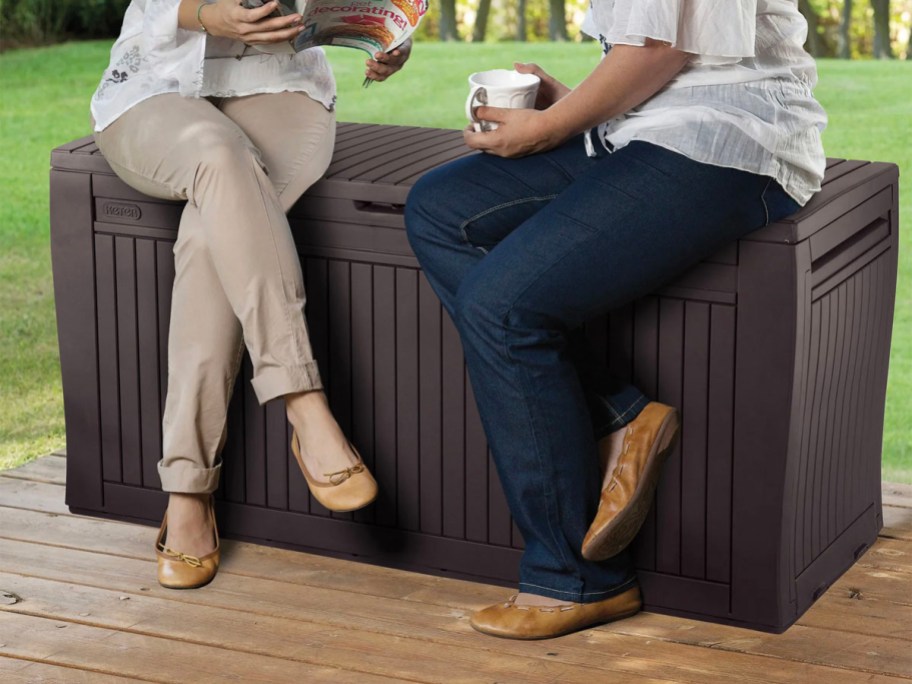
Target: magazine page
370	25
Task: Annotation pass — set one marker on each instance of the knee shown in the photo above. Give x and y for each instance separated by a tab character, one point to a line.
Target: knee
224	157
480	308
493	309
189	247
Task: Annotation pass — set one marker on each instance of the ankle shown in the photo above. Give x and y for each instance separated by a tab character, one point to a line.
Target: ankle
187	508
526	599
610	449
303	404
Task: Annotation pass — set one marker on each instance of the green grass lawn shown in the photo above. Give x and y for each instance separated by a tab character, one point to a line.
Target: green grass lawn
45	103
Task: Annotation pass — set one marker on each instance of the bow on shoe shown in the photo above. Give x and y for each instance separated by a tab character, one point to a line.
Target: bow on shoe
192	561
341	476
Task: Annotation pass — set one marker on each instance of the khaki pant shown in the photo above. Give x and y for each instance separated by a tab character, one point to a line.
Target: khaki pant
240	163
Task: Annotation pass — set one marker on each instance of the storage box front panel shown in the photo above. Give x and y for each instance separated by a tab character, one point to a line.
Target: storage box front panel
393	367
681	352
133	279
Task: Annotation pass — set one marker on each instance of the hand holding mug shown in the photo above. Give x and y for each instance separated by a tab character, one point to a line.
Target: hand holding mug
499	88
549	91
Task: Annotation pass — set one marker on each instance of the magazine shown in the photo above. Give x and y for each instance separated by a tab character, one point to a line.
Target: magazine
371	25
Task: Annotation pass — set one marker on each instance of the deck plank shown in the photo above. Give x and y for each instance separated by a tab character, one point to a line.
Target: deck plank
896	494
889	554
897	523
156	659
16	671
862	615
277	614
879	573
123	538
801	643
277	611
49	469
237	629
32	495
875	583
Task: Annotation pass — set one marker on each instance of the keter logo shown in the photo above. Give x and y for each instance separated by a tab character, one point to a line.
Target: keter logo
121	210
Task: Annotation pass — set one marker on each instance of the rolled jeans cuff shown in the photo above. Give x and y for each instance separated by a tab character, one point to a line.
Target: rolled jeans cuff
276	381
578	596
186	478
608	416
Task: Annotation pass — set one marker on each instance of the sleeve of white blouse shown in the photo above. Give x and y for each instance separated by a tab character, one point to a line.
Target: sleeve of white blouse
714	31
174	53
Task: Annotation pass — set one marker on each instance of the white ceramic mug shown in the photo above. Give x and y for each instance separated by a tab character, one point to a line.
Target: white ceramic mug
500	88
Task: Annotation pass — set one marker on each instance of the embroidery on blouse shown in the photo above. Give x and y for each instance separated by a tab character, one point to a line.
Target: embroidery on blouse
130	60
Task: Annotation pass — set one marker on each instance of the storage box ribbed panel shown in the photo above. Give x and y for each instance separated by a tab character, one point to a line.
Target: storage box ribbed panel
775	349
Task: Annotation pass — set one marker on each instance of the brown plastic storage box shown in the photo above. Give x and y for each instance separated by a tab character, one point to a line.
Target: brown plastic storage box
775	349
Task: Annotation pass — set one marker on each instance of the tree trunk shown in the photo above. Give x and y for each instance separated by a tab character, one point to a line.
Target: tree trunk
448	20
481	21
845	29
813	40
909	47
882	48
521	21
557	22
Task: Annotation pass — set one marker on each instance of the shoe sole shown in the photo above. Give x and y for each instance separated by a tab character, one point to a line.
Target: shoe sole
192	586
571	630
619	532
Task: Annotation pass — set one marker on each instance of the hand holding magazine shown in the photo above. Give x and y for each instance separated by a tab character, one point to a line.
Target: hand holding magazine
371	25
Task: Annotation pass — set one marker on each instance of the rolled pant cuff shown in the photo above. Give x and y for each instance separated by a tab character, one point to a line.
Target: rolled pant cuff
621	419
188	479
577	596
276	381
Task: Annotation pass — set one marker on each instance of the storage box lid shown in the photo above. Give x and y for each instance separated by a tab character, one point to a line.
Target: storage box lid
371	162
380	163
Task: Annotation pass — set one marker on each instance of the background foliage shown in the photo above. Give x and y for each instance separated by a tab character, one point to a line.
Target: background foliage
45	100
835	31
35	22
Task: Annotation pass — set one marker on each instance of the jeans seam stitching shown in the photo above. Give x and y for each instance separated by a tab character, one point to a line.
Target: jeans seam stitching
763	200
491	210
507	354
579	593
506	350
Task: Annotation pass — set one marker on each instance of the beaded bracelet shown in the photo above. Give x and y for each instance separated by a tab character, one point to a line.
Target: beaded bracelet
199	17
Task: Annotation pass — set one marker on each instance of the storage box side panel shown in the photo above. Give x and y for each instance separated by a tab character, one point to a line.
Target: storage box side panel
849	303
72	260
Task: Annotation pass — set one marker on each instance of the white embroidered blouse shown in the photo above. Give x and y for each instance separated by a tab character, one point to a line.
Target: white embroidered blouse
153	55
745	99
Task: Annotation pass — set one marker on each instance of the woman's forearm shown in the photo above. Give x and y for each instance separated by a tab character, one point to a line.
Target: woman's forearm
187	17
229	19
627	77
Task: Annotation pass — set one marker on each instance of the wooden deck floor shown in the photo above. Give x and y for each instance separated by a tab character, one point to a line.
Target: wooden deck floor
79	603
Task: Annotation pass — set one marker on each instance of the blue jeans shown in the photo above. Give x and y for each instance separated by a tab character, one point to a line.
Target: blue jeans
522	252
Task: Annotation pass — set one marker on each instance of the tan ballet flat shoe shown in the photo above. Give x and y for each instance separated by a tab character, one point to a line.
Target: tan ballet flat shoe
347	490
510	621
177	570
626	499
